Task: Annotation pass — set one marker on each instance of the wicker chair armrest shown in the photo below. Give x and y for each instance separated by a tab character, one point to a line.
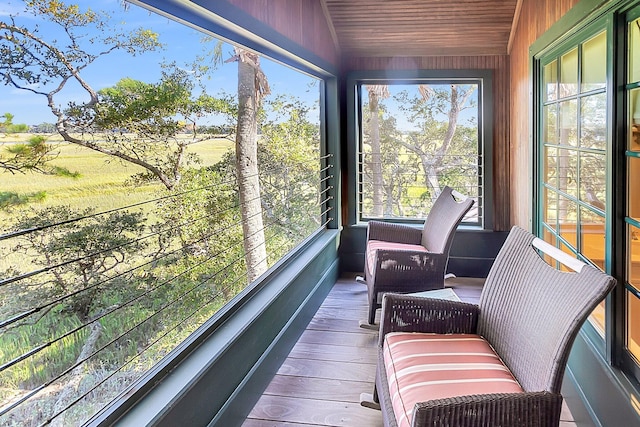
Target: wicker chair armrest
539	409
410	313
390	232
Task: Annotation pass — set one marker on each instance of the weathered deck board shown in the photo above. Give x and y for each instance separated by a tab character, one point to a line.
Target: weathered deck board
334	352
318	388
319	384
314	412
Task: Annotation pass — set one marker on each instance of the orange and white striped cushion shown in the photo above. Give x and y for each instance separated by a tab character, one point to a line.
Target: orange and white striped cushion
374	245
423	366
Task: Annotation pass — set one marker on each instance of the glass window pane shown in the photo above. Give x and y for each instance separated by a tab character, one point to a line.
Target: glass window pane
569	73
633	262
633	197
551	81
592	237
550	208
569	123
593	121
634	112
550	166
593	179
594	65
404	159
550	238
634	51
549	126
598	318
568	171
633	322
567	220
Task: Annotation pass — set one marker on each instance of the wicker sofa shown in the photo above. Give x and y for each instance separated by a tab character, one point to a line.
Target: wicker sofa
499	363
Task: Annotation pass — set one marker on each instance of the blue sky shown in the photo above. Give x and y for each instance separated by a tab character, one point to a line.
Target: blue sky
182	45
468	116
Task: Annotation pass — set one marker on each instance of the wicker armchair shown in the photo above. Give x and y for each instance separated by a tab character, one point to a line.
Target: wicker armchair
400	258
529	313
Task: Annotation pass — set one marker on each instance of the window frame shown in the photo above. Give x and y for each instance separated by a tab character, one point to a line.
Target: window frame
628	362
562	46
482	77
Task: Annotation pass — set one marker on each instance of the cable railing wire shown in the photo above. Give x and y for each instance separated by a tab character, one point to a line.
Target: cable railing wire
16	318
23	276
79	363
41	347
139	353
96	214
208	279
27	396
21	316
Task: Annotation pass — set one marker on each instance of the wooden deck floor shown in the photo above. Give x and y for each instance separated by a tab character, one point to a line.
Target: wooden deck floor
319	384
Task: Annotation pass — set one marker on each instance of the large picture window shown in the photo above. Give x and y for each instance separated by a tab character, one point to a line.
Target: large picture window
131	219
415	136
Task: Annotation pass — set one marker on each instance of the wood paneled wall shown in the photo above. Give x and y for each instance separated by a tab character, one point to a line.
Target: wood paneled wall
536	17
499	64
301	21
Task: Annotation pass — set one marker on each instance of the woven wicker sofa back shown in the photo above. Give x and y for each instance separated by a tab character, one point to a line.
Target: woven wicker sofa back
529	311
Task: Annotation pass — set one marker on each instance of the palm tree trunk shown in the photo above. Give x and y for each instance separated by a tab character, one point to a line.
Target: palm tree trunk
255	252
376	157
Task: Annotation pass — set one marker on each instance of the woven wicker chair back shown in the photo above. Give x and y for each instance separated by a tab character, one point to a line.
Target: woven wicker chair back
444	217
531	312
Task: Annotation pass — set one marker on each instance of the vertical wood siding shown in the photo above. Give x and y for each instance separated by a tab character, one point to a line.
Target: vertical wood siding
535	18
499	64
301	21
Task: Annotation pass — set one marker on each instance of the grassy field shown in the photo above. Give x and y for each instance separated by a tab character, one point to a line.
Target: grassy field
103	182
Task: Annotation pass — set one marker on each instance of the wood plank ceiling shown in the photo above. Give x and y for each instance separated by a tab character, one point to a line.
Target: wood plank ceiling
367	28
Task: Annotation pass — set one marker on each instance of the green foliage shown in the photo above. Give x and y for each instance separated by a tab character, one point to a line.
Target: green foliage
43	64
204	229
438	149
102	244
34	156
154	108
142	121
290	177
7	126
10	199
145	122
48	363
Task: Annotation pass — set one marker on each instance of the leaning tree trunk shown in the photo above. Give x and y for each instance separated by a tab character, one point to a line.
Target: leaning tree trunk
255	252
76	375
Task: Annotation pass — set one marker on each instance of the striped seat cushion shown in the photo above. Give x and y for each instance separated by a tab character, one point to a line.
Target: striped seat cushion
374	245
422	367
